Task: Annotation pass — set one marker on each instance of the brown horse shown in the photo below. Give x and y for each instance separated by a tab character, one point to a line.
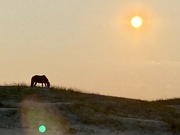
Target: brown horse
40	79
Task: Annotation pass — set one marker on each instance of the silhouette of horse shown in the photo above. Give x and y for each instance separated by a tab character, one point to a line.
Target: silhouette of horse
40	79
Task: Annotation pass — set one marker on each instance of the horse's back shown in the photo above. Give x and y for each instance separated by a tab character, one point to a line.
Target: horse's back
39	78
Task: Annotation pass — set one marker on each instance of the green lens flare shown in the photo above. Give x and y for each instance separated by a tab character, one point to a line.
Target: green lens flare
42	128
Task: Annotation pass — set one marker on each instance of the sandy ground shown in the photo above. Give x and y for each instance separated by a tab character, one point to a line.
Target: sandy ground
154	128
21	131
135	126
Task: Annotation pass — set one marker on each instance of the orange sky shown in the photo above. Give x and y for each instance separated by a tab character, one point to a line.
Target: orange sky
91	45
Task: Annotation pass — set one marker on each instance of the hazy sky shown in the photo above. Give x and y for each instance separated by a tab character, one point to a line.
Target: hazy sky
91	45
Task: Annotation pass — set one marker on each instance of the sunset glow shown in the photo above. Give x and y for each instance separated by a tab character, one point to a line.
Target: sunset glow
121	48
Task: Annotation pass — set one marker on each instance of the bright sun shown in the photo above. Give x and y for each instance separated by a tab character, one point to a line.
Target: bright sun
136	21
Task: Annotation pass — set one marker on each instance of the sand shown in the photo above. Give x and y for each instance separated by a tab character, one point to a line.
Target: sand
11	126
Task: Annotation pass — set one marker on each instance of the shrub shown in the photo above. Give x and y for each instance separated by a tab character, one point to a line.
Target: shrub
172	125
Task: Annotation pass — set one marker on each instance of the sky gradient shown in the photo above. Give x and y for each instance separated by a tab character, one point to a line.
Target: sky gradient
90	45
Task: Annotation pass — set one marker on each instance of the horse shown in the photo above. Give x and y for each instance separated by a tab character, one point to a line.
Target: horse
40	79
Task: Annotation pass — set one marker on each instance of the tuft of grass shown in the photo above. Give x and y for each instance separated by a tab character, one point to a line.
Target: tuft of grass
89	114
172	125
2	105
11	113
85	130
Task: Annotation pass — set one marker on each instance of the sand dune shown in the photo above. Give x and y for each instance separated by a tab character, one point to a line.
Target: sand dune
68	112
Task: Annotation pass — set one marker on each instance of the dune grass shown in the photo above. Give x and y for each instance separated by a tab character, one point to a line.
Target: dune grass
92	109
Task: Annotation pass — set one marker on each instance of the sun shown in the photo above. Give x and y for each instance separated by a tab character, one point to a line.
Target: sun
136	22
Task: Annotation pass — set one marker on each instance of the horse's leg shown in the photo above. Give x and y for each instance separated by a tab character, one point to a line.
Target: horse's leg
32	83
35	84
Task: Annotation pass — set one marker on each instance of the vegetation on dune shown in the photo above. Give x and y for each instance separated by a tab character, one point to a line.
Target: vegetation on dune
90	109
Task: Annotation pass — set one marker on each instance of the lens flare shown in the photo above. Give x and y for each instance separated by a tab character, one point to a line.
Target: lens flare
42	128
38	115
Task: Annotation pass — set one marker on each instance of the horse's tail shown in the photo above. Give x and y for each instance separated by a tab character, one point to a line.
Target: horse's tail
32	82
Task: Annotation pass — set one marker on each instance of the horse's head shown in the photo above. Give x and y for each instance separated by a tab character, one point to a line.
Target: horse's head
48	84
